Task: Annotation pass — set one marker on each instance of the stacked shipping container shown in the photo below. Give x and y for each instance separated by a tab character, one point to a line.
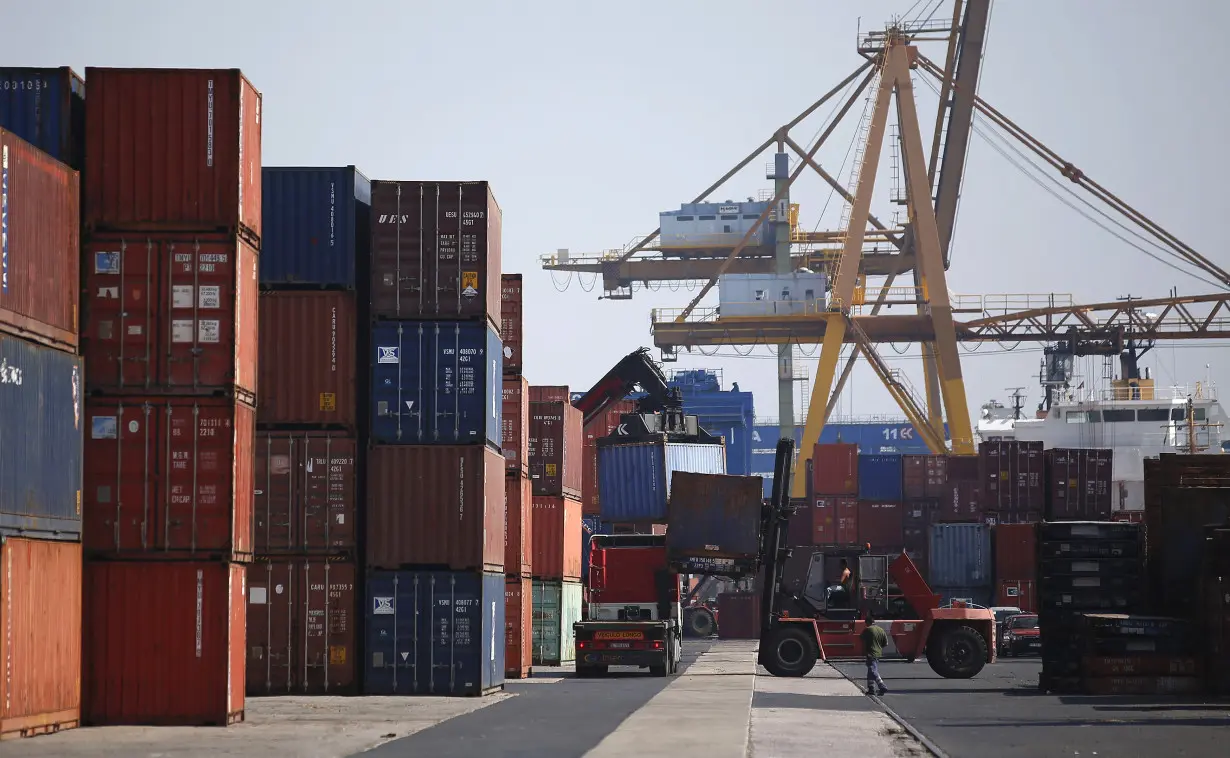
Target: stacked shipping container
518	489
170	339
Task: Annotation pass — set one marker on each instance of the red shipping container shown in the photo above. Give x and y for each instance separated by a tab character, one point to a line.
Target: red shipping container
301	626
924	477
42	255
738	615
511	316
1018	593
435	251
599	427
835	521
165	645
435	505
550	393
555	449
40	636
993	518
518	626
557	539
1078	484
171	313
880	524
305	492
519	529
1012	473
962	495
835	470
515	424
169	477
307	359
172	149
1016	551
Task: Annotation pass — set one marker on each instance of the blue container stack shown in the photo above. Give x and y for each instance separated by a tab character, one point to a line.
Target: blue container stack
730	414
45	107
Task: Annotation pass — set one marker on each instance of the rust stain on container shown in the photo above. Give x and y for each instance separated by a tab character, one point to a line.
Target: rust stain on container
305	492
519	525
301	626
599	427
511	318
41	245
515	424
518	627
924	477
436	505
835	469
165	645
555	442
40	636
308	362
172	149
557	538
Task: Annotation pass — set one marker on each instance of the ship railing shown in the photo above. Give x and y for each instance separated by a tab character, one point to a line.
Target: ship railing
1196	391
1001	303
739	309
864	419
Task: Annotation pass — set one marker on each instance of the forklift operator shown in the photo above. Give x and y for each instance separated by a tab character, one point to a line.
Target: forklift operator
839	594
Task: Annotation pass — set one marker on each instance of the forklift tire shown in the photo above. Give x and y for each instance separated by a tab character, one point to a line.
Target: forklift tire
698	622
788	651
958	653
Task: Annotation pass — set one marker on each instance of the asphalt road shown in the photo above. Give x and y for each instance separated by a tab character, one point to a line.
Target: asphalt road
1001	713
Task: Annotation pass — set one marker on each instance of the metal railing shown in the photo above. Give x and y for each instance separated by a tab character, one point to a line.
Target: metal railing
753	309
1000	303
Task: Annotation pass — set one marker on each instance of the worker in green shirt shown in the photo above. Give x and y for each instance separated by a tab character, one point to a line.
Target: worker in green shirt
874	639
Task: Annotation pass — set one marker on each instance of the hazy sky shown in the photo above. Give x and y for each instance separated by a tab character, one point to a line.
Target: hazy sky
588	122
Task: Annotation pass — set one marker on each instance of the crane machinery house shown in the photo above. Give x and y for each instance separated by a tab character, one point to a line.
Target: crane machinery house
771	294
701	226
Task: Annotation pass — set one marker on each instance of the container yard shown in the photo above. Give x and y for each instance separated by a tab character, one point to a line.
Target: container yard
333	460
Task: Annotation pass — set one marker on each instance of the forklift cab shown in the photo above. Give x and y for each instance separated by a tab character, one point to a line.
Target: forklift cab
821	587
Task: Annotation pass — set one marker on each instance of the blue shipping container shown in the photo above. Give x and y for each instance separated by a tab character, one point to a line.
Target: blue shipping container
434	633
730	414
960	556
314	225
436	382
45	107
41	441
879	478
634	478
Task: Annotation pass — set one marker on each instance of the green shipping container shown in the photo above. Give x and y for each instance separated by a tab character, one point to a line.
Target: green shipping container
557	606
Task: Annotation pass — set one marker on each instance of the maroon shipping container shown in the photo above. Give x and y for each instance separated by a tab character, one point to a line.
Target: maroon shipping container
835	470
519	525
518	626
515	424
924	477
171	313
1012	473
169	477
301	626
305	492
556	465
511	316
1078	484
599	427
40	636
42	238
835	521
738	615
992	518
962	497
435	250
436	505
557	539
165	645
916	518
549	393
172	149
1016	551
307	359
880	524
1019	593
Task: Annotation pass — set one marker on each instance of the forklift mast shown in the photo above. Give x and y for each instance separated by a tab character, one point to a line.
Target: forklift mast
775	519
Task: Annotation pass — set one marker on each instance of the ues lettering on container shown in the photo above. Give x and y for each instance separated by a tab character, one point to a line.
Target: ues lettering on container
39	245
518	626
555	449
305	492
41	422
634	478
556	538
519	525
307	360
314	226
511	318
434	633
45	107
435	251
169	476
515	424
171	313
301	626
436	382
173	149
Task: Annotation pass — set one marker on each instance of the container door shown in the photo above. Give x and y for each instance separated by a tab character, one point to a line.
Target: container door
494	628
271	612
454	615
399	397
392	639
325	645
276	492
547	619
570	613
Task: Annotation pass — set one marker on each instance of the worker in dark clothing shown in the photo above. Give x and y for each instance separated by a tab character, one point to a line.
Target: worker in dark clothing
874	639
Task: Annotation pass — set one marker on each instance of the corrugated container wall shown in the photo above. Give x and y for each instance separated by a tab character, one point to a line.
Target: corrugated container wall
960	555
924	476
314	225
301	627
553	393
740	615
171	312
1012	473
434	633
518	626
963	496
165	643
518	525
1016	551
40	636
598	428
729	413
307	359
835	470
515	424
305	498
436	382
435	251
880	525
512	315
879	477
555	440
634	478
557	606
435	505
1078	484
1019	593
40	254
556	537
173	149
41	440
916	519
45	107
713	516
169	476
835	521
